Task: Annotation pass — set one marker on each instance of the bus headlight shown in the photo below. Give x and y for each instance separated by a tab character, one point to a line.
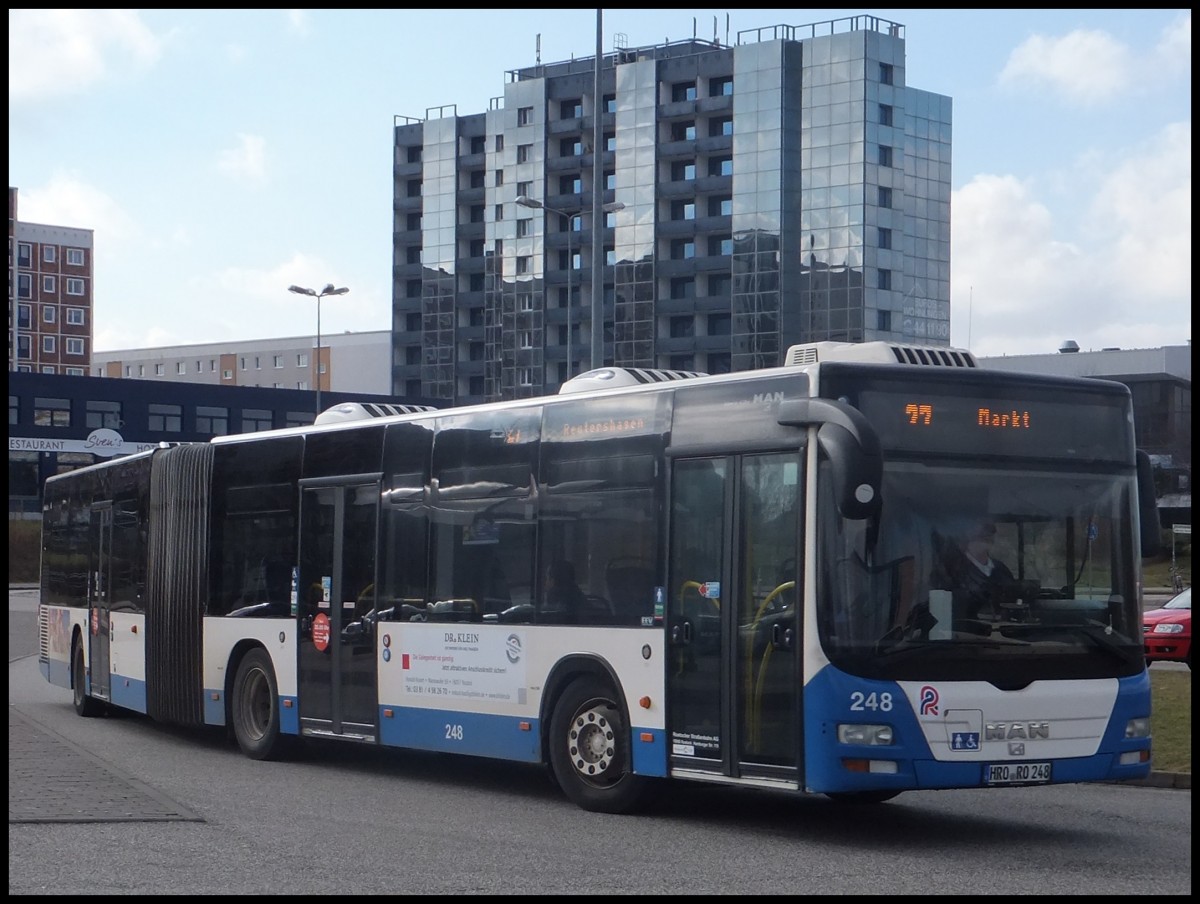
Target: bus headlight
871	735
1138	728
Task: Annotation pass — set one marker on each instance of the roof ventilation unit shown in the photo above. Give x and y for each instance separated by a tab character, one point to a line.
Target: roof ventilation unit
879	352
357	411
612	377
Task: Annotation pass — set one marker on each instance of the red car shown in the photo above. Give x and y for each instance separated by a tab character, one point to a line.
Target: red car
1167	632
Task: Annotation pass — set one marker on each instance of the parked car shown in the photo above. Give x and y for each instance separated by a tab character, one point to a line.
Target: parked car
1167	632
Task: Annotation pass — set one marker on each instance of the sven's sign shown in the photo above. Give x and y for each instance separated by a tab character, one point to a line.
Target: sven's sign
102	441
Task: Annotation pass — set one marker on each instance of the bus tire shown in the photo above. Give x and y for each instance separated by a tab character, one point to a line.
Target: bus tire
861	797
590	750
86	706
254	707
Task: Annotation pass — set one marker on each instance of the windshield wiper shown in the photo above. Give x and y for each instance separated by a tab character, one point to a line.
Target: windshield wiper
1099	637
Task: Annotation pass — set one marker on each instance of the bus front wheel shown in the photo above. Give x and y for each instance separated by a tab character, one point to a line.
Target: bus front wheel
590	750
255	707
84	705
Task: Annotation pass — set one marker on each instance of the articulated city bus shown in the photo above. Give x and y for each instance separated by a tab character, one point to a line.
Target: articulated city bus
771	579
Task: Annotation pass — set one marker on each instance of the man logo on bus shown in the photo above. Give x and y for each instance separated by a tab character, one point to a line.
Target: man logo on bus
929	701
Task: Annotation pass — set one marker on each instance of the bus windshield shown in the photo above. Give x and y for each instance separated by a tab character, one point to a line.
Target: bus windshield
1003	575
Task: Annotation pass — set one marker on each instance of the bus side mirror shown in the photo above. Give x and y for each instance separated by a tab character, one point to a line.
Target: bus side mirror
1148	507
852	447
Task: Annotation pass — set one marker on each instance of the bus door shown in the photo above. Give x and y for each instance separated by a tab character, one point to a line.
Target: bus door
733	615
100	601
336	587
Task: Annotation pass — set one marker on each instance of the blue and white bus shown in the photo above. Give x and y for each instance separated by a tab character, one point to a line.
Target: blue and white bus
765	564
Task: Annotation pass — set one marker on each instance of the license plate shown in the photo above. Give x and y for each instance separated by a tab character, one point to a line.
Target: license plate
1017	774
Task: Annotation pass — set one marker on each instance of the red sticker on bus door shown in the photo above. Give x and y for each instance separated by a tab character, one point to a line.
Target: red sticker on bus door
320	631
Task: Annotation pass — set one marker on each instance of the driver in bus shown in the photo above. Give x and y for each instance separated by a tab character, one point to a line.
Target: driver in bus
981	583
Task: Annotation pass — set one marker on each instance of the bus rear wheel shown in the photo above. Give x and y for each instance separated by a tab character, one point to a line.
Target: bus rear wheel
255	708
590	750
84	705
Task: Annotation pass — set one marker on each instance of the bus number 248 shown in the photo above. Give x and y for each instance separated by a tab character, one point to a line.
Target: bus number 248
454	732
860	701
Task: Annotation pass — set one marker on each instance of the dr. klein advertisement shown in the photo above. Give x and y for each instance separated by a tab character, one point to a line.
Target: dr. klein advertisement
463	662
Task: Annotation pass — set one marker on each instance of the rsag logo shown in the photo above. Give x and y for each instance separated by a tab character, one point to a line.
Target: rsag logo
929	701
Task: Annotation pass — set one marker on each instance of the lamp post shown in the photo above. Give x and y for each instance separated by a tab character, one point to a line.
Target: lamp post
328	290
532	204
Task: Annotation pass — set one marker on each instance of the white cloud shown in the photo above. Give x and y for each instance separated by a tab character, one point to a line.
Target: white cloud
1174	50
299	21
1084	66
246	162
69	201
57	52
1019	288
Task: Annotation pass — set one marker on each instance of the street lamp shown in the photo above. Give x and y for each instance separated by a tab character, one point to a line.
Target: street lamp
533	204
328	290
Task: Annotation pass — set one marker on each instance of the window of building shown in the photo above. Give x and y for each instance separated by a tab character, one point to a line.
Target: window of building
524	227
476	213
682	249
48	345
885	155
683	131
141	370
255	419
180	367
297	418
25	286
886	73
525	338
610	180
610	255
524	189
227	374
159	370
523	263
499	177
885	196
719	324
524	116
683	170
610	103
720	166
478	144
719	363
500	142
610	141
474	249
885	114
722	125
683	91
498	213
74	286
721	86
74	371
412	222
412	354
414	188
683	326
885	237
199	368
570	147
302	359
48	369
213	420
413	153
49	313
74	346
49	254
413	254
570	109
683	210
883	320
525	376
524	152
476	179
683	287
165	418
720	246
885	279
24	254
48	284
277	360
23	348
103	414
719	285
51	412
570	185
610	218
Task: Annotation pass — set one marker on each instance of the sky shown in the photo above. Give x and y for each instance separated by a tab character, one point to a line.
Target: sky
221	156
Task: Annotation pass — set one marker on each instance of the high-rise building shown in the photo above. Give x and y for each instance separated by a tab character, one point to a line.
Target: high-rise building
787	187
49	296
